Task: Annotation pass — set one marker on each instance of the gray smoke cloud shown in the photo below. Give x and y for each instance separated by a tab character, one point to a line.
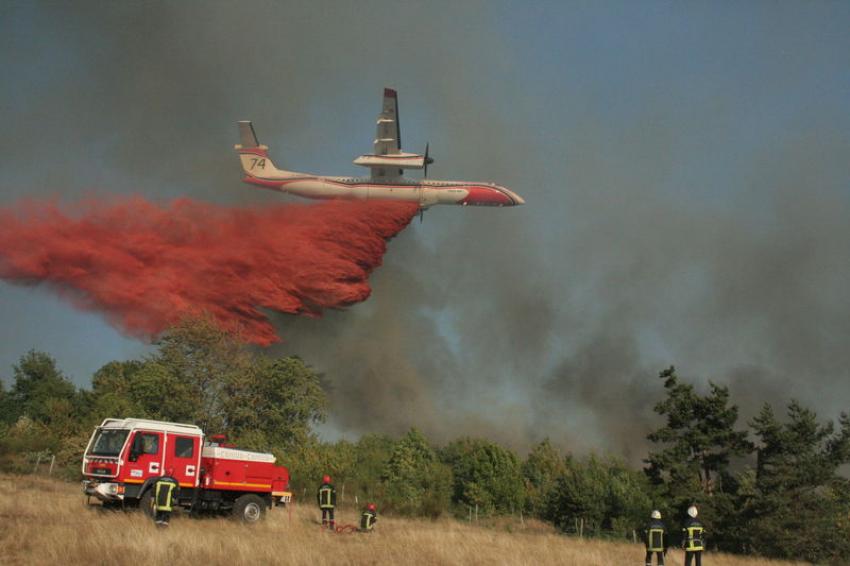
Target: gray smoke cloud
669	221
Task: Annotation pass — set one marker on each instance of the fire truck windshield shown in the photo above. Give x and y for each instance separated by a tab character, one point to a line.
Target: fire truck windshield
109	441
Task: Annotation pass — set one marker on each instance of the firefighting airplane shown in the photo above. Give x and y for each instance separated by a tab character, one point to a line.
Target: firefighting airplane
387	164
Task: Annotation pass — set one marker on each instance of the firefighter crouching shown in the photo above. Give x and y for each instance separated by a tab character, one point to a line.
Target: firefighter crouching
655	538
165	492
368	518
693	538
327	502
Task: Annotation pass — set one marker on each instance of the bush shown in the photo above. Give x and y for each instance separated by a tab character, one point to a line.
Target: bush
485	475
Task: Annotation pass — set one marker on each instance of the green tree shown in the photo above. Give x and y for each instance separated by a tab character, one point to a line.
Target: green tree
189	375
273	402
41	391
580	495
5	418
541	469
371	455
603	495
801	502
415	481
696	444
159	392
486	475
113	394
202	375
629	499
6	410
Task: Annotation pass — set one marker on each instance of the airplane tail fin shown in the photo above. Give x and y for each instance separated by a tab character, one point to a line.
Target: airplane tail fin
254	156
247	135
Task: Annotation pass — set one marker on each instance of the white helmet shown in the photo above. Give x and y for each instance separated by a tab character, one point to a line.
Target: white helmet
656	514
692	511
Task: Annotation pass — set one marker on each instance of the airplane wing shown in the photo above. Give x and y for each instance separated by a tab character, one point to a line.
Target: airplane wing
388	160
388	137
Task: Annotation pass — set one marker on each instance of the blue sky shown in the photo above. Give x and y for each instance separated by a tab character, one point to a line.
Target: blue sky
685	167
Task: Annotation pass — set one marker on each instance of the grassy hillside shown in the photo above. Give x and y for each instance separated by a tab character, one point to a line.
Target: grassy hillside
46	522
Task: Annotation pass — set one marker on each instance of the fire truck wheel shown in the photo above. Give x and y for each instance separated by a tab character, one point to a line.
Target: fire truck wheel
249	508
146	503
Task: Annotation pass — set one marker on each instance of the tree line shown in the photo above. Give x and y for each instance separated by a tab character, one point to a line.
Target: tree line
771	487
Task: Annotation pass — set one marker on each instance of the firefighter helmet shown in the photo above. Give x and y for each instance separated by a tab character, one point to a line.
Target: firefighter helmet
692	511
326	479
371	507
656	514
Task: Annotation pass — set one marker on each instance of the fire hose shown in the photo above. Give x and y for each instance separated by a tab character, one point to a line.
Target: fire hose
342	529
346	529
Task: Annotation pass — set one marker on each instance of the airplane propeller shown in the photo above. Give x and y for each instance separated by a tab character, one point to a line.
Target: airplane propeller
428	160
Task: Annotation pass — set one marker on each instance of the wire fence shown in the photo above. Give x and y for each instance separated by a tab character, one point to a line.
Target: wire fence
42	461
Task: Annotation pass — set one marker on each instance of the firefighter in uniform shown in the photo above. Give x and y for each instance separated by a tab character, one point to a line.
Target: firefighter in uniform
693	535
165	492
368	518
655	538
326	497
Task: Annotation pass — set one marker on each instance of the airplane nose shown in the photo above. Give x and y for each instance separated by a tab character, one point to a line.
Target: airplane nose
516	200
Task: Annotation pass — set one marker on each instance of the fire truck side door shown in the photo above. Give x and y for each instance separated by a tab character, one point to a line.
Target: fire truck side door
144	456
183	456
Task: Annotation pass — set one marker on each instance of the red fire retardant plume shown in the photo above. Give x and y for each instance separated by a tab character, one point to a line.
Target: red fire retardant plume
146	266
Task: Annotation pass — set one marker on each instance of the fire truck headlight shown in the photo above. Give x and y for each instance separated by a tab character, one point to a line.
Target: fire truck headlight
112	489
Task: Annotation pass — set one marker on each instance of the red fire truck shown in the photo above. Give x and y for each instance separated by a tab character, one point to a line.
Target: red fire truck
124	457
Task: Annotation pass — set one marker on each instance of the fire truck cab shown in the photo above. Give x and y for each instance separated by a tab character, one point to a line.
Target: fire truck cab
124	457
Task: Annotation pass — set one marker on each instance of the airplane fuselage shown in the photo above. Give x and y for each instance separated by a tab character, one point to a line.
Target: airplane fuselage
425	192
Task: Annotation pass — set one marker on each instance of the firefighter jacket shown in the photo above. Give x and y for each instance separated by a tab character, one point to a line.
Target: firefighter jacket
368	520
693	536
165	491
326	496
655	536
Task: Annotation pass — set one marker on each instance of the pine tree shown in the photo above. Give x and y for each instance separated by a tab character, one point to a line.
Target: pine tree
696	443
800	505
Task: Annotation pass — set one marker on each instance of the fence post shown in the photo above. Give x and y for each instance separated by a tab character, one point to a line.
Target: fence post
634	536
52	461
476	513
581	528
37	462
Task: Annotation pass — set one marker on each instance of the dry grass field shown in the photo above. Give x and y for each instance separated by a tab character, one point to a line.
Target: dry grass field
45	521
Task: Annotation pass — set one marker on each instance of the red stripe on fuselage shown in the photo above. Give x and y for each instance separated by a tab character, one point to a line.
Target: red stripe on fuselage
254	151
486	196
